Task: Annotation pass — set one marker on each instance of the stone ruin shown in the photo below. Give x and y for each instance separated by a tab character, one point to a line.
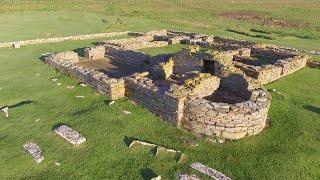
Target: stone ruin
213	87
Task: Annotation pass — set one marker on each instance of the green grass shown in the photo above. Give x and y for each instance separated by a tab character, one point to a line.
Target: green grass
288	149
20	20
164	50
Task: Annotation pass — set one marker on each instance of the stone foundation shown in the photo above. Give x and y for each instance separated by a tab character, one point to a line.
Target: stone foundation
110	87
97	52
218	92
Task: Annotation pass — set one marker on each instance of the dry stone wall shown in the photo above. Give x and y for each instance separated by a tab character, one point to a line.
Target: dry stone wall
186	61
143	91
231	121
128	56
163	70
110	87
271	72
97	52
60	39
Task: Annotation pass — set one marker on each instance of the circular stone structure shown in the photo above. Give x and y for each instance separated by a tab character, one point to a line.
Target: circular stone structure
232	112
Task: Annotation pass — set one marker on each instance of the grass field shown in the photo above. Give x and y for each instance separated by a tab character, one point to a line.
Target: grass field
288	149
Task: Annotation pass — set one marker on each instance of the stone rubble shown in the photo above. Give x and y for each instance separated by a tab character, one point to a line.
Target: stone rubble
6	111
159	149
127	112
314	64
34	150
209	171
70	135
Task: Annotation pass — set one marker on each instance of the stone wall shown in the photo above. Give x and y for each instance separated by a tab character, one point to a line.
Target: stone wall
268	73
231	121
163	70
130	57
201	84
185	61
228	120
143	91
110	87
97	52
60	39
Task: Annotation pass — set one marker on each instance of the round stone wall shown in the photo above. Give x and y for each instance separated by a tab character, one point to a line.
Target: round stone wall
231	121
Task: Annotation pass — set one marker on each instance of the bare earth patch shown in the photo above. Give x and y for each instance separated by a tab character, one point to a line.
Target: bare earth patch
264	19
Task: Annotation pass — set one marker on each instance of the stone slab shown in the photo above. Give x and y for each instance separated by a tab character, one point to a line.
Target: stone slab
70	135
209	171
188	177
34	150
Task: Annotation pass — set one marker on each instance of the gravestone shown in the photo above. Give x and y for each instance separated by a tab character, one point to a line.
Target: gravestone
70	135
34	150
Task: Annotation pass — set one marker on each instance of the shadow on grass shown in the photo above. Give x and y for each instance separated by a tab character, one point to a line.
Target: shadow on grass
312	108
84	111
98	43
19	104
249	35
80	51
147	173
128	140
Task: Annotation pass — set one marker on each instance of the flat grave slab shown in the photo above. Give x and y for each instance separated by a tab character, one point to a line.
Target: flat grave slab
70	135
209	171
34	150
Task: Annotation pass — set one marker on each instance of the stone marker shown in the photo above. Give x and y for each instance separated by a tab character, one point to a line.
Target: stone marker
163	149
126	112
142	143
159	148
188	177
70	135
34	150
110	103
156	178
16	45
209	171
6	111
